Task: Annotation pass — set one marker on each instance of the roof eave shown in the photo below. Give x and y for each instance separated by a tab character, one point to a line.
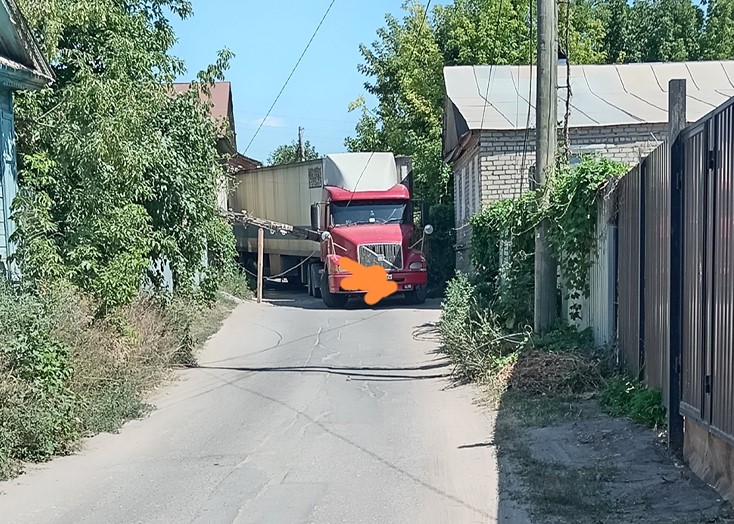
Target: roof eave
456	152
42	69
17	76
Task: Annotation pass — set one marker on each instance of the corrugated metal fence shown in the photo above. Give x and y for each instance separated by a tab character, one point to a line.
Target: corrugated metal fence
703	165
675	275
643	277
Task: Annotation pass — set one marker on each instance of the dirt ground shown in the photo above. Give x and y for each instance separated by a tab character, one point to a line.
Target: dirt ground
563	460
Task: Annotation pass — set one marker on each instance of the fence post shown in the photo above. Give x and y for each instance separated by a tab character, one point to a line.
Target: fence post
676	123
260	242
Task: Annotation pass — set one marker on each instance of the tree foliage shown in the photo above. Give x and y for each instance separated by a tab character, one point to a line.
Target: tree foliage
114	170
288	153
404	64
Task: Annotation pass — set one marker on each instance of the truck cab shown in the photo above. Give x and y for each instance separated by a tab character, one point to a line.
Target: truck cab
366	214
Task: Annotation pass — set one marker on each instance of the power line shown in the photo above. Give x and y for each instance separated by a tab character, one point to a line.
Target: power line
491	66
290	75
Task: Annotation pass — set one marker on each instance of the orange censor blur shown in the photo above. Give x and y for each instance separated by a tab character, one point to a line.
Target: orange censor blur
372	279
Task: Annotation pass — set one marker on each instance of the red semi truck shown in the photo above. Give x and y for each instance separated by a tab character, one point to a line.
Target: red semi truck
356	205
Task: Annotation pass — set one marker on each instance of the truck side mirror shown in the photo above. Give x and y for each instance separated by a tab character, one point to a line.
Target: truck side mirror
315	222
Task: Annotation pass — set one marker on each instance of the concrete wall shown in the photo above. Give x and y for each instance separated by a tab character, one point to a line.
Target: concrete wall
711	458
498	163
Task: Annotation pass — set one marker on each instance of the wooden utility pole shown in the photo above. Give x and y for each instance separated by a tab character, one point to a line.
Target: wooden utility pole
299	152
260	241
546	127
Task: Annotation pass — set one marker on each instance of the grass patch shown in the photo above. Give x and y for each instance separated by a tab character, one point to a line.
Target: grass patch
623	397
65	373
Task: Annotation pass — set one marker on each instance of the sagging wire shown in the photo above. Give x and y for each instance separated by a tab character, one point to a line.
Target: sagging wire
271	277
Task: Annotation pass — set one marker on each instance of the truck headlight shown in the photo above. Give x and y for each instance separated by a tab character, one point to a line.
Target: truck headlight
416	265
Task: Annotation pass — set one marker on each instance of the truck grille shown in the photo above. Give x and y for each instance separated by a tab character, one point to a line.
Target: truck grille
389	256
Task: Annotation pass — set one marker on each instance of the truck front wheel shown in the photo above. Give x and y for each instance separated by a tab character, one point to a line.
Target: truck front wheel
332	300
417	296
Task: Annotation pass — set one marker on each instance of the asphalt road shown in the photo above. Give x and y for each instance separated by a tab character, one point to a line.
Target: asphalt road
296	414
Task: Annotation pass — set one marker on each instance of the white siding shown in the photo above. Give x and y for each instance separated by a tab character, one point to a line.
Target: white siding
597	312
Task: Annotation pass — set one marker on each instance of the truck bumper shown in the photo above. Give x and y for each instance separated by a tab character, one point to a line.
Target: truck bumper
406	281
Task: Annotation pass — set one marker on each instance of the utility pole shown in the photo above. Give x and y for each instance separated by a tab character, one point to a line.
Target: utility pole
546	128
299	151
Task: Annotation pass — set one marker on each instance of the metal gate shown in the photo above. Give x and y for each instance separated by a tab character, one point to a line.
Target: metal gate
702	269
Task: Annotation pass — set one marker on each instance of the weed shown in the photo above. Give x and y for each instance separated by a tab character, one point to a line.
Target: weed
622	397
472	336
237	283
66	373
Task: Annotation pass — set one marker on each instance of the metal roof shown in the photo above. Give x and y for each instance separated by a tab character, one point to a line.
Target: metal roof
602	95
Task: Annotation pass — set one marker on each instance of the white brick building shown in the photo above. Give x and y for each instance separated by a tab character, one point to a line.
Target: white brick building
617	110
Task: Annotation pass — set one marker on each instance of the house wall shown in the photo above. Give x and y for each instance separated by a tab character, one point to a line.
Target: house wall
495	168
502	153
8	178
467	199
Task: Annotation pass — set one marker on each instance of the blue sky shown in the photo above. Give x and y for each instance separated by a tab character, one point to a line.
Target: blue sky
267	38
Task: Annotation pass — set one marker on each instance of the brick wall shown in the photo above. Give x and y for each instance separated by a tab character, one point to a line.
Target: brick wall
504	174
495	168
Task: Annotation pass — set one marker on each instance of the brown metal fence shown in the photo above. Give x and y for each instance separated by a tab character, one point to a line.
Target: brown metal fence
675	276
656	273
643	275
706	161
628	271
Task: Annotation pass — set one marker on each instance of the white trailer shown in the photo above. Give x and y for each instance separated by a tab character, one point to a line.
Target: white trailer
285	194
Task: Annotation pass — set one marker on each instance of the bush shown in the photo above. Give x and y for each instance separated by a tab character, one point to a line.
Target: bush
507	224
623	397
66	373
235	282
472	337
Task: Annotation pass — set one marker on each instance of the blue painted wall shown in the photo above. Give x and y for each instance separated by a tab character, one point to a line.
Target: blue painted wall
8	177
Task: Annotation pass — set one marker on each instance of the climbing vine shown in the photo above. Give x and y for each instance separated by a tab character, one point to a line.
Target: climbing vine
503	237
573	216
502	256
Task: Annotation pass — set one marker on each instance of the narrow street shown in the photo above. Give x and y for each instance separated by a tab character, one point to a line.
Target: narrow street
296	414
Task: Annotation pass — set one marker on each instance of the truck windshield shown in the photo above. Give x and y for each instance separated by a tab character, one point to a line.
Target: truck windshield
367	212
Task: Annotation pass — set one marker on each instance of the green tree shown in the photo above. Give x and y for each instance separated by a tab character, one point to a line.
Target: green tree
288	153
717	42
114	170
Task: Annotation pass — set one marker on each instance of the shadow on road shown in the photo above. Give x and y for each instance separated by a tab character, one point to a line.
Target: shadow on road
392	373
281	295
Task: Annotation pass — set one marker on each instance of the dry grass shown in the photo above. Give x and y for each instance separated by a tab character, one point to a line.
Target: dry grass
108	366
557	373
